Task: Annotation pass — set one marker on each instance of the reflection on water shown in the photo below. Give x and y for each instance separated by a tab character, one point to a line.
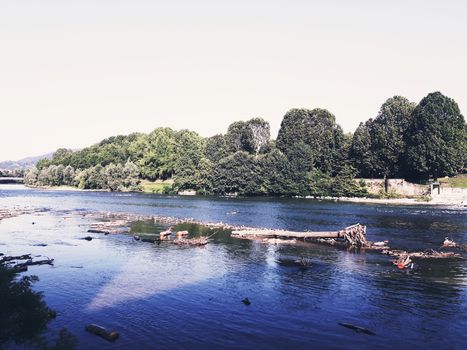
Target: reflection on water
24	314
165	297
153	272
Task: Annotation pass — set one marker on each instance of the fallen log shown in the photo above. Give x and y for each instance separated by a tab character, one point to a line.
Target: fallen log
105	232
353	236
102	332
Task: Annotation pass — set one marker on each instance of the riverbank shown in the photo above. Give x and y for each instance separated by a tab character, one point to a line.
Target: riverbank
461	203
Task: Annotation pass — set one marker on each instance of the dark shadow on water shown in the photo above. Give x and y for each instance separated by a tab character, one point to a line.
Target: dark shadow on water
24	315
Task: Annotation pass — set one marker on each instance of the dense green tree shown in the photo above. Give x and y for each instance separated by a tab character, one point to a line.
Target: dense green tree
276	174
32	176
361	154
312	155
238	173
158	160
216	148
436	138
190	149
378	146
318	129
69	176
235	137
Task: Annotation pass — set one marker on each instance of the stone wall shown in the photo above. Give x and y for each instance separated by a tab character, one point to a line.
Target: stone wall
398	186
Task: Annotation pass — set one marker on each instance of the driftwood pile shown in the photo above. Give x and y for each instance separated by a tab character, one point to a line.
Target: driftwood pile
13	263
404	259
428	254
449	243
353	237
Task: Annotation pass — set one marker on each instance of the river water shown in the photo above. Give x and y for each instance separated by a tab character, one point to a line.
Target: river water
168	297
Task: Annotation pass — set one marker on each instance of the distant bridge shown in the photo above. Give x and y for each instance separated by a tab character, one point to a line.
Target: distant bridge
11	180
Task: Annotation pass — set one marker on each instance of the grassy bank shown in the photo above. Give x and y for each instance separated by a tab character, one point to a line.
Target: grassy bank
158	186
459	181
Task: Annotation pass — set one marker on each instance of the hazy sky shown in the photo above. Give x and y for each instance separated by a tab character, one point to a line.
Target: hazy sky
74	72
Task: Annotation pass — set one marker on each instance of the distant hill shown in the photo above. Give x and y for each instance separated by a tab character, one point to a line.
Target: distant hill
25	163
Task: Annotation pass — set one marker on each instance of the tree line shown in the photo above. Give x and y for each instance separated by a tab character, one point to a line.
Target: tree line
12	173
311	155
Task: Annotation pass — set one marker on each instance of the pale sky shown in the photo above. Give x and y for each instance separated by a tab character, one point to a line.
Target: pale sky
75	72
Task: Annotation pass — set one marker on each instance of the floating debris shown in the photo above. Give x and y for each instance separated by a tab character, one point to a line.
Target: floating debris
428	254
448	243
357	329
246	301
403	261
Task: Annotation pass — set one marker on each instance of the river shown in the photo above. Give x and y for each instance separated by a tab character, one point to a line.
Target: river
168	297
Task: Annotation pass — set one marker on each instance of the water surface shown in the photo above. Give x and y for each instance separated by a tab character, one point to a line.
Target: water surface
167	297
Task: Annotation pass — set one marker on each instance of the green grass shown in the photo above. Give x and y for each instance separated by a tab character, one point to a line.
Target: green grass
159	187
459	181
